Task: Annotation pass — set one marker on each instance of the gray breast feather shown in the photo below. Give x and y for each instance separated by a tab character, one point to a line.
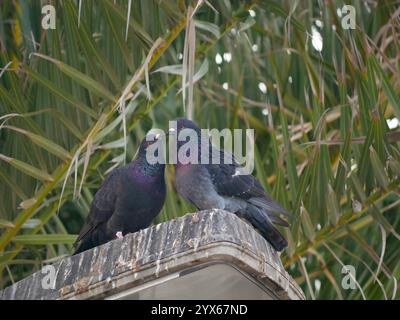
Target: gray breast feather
195	185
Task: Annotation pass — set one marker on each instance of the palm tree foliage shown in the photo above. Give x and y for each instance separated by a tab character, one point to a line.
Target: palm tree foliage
324	148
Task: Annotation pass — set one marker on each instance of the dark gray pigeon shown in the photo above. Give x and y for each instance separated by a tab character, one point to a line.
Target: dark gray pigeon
209	186
127	201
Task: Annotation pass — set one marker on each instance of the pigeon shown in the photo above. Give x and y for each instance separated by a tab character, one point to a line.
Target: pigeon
219	186
127	201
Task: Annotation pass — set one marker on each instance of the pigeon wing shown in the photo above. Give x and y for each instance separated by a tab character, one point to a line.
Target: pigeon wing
229	183
103	205
226	179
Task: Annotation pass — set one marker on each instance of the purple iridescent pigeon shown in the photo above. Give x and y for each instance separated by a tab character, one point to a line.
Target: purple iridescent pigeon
127	201
209	186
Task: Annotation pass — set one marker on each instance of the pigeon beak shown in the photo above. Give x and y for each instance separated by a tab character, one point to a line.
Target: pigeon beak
160	135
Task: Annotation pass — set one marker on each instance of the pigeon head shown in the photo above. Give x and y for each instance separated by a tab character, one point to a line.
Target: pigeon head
149	140
183	123
189	141
186	125
148	154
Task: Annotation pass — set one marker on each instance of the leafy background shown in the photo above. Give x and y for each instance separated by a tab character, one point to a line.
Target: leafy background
326	121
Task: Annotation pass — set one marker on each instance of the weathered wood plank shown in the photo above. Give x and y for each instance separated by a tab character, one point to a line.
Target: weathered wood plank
210	236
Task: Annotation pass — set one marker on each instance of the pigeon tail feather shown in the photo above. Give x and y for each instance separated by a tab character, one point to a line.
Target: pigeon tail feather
261	221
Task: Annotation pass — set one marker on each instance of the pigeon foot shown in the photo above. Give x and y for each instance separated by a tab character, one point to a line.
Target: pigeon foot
119	235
